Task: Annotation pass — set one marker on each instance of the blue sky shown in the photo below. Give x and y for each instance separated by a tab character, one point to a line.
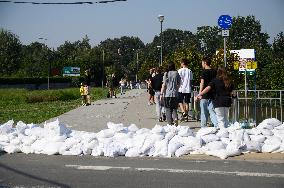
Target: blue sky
59	23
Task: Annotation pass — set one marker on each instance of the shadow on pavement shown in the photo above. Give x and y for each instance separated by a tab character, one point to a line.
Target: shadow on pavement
33	177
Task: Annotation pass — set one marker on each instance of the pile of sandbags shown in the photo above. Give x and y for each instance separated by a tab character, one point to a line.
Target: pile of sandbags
160	141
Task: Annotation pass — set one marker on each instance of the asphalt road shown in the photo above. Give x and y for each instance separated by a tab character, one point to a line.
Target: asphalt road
20	170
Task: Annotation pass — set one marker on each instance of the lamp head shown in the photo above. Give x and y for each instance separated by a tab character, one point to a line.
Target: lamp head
161	18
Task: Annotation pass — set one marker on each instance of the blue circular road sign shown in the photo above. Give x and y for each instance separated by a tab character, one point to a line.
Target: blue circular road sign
225	21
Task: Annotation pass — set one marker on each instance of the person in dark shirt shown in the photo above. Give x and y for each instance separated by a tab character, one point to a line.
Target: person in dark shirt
206	103
223	88
87	83
156	84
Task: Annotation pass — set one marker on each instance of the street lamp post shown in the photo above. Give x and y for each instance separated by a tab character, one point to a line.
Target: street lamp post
161	19
137	59
49	66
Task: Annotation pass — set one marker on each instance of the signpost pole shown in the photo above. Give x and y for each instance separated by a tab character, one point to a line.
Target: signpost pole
225	58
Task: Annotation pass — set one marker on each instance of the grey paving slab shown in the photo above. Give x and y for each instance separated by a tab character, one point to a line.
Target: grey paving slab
129	108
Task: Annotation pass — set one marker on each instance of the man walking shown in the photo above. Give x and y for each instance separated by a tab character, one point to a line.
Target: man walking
184	92
206	105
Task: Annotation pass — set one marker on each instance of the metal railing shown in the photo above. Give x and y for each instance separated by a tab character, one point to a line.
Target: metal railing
257	106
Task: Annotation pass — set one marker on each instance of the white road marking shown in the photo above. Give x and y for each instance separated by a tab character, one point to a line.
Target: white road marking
236	173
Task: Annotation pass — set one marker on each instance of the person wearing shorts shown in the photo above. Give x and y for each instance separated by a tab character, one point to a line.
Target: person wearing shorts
184	91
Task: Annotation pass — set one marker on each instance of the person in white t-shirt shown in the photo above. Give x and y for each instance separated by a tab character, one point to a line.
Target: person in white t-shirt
184	92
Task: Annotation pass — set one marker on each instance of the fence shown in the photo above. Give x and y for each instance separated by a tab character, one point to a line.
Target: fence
255	107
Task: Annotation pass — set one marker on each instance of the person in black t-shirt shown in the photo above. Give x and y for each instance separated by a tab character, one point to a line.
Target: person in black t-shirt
206	103
223	88
156	84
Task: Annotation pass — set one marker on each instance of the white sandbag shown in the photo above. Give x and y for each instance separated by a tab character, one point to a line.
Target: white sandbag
184	150
55	128
235	145
170	135
115	127
98	150
26	149
133	152
88	147
21	127
235	126
52	148
222	153
233	152
257	138
253	146
280	150
273	140
223	133
237	135
161	148
280	135
269	123
209	138
253	131
246	137
4	138
199	151
28	140
105	133
215	145
143	131
192	142
158	129
133	128
226	141
205	131
11	148
150	141
280	127
6	127
15	141
268	148
185	131
38	146
150	152
266	132
170	128
36	131
174	144
76	149
114	149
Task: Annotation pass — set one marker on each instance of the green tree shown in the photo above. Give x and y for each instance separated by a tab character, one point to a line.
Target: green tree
278	46
209	40
35	59
10	52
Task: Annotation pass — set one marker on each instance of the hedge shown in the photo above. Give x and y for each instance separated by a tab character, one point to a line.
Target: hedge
41	80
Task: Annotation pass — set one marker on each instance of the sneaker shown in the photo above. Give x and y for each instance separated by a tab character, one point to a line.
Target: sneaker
176	122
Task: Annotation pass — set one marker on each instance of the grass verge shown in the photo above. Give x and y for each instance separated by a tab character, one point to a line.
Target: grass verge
38	106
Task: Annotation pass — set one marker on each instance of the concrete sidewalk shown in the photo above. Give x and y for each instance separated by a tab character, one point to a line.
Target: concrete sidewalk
129	108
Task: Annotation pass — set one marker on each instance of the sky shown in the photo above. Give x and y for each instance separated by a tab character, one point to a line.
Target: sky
138	18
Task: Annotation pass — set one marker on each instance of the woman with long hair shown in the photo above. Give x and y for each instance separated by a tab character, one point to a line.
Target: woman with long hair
222	90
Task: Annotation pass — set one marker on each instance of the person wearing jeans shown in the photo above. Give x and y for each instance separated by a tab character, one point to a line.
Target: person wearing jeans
156	84
206	103
223	88
222	114
207	109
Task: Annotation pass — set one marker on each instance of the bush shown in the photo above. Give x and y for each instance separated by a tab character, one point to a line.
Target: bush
52	95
